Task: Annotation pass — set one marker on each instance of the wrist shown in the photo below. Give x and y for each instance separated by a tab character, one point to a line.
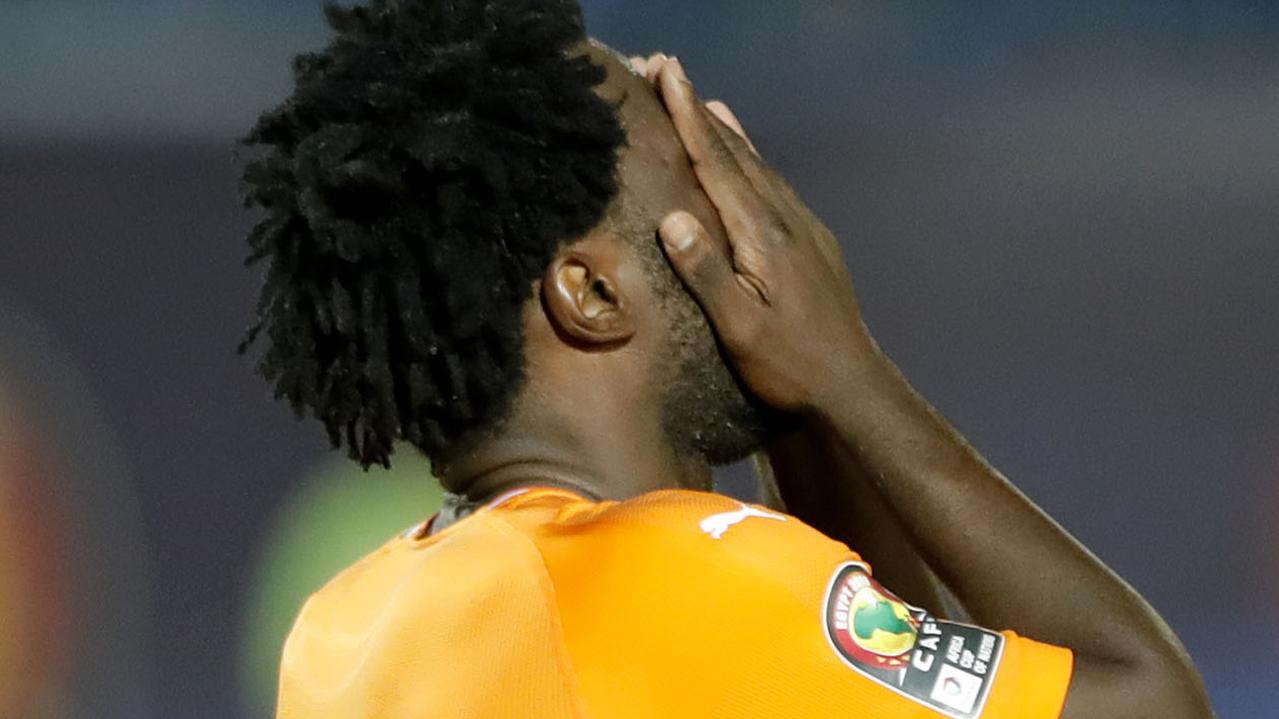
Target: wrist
856	379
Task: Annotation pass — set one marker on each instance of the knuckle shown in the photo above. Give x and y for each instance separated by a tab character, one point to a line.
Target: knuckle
768	231
775	229
748	260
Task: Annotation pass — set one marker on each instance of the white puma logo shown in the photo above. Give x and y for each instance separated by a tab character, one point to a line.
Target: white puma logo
716	524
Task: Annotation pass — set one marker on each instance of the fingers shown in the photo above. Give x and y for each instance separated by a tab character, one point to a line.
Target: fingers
649	66
766	180
655	63
761	176
744	212
705	270
725	115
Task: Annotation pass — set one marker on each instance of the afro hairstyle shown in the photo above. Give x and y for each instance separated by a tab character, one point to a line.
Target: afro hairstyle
428	165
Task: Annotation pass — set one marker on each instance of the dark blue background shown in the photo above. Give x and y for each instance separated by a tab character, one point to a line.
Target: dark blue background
1062	217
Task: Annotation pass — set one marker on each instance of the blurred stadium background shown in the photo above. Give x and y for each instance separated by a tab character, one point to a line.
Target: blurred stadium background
1063	218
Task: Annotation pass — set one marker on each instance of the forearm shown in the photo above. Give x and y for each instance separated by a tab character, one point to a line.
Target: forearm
1008	563
816	479
781	301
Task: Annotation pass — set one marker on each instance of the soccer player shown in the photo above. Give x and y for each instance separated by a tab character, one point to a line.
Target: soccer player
576	287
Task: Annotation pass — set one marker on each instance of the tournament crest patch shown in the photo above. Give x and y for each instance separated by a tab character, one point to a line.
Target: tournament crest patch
945	666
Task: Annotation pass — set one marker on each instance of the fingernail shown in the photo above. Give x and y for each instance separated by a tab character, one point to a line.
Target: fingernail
679	231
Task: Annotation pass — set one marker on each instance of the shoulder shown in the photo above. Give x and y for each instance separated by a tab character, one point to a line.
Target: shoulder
409	624
715	523
475	557
700	518
605	548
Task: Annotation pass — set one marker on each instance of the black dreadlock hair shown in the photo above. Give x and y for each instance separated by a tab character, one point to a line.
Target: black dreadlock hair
430	162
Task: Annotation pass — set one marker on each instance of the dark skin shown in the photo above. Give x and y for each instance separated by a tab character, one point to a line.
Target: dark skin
807	458
771	280
596	335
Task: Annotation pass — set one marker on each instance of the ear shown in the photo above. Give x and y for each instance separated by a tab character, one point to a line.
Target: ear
584	300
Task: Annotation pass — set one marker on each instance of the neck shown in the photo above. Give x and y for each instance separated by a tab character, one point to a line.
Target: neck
603	455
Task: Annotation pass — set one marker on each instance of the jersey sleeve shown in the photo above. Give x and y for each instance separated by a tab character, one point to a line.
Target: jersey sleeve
691	604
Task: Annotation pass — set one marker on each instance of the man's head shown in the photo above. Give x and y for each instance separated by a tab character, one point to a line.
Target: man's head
704	408
461	204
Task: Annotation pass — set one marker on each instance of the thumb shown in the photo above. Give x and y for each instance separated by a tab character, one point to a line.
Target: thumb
701	264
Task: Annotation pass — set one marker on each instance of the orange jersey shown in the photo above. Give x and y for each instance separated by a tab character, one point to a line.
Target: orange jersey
673	604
